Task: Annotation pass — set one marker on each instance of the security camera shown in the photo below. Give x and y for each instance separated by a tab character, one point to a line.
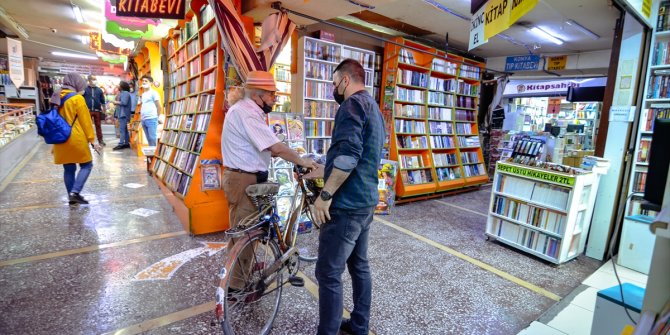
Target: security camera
53	30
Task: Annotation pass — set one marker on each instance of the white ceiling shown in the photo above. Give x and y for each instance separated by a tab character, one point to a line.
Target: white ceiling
40	16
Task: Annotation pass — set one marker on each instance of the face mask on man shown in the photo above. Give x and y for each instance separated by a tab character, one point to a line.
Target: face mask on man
265	107
94	83
339	98
146	86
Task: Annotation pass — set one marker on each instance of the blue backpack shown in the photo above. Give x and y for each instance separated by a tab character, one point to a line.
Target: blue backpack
52	126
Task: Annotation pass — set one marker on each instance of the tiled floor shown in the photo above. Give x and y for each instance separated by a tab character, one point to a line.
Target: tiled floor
73	270
575	316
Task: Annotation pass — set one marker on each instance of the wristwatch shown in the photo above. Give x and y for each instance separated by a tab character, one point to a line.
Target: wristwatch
325	196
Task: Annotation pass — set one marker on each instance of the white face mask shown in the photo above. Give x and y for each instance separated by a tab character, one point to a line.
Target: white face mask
146	86
94	82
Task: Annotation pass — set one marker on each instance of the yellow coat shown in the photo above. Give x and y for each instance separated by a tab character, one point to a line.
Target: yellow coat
76	149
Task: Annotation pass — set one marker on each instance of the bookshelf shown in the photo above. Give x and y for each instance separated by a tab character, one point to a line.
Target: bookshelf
313	89
434	107
187	165
148	63
542	212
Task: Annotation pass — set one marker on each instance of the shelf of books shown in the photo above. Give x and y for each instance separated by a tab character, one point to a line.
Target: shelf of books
188	164
543	212
434	100
313	88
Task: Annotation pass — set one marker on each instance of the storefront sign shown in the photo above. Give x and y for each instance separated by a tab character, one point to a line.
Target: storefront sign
15	55
536	174
164	9
496	17
63	67
501	14
522	63
98	43
553	87
477	37
557	63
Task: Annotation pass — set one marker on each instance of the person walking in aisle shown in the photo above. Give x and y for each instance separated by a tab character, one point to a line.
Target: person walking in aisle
76	149
247	146
123	115
95	100
151	108
347	202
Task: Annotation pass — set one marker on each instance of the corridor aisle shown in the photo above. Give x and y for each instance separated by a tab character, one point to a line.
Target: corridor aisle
96	269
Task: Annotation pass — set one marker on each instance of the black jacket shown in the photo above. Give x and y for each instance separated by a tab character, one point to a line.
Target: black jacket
94	97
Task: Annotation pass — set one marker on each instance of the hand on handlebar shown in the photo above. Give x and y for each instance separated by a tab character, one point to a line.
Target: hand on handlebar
308	163
316	173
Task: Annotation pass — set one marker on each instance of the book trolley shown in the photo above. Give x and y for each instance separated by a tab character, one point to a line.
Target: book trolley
188	165
313	89
542	212
434	101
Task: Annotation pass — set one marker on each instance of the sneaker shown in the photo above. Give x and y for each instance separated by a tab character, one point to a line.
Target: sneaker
119	147
345	327
76	198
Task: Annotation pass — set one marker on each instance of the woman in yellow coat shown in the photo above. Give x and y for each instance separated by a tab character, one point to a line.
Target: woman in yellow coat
76	149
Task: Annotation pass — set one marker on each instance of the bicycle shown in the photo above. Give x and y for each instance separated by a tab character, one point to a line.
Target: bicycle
263	251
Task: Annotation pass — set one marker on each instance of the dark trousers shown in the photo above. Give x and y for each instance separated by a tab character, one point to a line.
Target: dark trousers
97	121
344	240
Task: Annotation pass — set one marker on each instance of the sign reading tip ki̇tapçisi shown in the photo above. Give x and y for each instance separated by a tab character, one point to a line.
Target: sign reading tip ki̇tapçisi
162	9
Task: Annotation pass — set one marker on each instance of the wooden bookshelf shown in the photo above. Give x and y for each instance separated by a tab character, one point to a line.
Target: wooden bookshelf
313	89
194	119
541	212
434	103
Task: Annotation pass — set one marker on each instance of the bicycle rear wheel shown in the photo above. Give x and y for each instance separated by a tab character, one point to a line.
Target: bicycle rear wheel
249	306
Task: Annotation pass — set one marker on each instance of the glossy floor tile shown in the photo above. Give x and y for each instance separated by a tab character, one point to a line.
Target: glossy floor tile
83	269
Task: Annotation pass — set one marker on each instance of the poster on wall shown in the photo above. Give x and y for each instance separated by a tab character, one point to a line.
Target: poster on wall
386	187
15	55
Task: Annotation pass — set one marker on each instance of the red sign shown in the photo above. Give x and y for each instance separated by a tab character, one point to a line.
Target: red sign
162	9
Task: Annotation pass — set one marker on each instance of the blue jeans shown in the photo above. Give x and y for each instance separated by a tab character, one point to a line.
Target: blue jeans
123	131
344	240
74	184
149	126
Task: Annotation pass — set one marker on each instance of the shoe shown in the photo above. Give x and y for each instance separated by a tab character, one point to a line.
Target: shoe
76	198
345	327
121	146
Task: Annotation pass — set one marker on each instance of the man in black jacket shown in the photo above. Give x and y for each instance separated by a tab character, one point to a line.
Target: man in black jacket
95	100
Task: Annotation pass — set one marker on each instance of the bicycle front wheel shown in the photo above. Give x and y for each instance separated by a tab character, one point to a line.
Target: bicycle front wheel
249	305
308	237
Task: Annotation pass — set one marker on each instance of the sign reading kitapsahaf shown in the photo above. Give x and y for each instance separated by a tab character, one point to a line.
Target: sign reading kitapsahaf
495	17
541	175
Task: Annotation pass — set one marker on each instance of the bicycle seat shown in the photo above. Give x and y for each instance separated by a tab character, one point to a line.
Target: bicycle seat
262	189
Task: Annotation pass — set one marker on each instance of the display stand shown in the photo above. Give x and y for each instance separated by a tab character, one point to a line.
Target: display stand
542	212
22	95
188	162
434	101
313	88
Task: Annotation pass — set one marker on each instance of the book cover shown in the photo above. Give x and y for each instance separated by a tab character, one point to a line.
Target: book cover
386	187
296	129
277	124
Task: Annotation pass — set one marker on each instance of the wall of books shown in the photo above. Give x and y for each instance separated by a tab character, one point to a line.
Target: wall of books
188	164
434	103
313	88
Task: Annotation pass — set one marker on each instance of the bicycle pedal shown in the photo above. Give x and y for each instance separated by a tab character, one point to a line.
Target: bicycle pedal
296	281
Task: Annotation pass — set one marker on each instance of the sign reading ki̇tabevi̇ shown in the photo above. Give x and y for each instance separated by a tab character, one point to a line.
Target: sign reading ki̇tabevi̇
163	9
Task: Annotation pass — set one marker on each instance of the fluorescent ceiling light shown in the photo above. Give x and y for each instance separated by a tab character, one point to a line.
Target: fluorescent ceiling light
547	36
583	29
77	13
72	55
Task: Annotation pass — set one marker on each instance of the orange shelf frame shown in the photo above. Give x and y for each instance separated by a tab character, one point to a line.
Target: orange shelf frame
199	211
423	63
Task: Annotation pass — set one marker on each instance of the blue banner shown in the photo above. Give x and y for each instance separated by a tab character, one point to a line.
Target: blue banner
522	63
